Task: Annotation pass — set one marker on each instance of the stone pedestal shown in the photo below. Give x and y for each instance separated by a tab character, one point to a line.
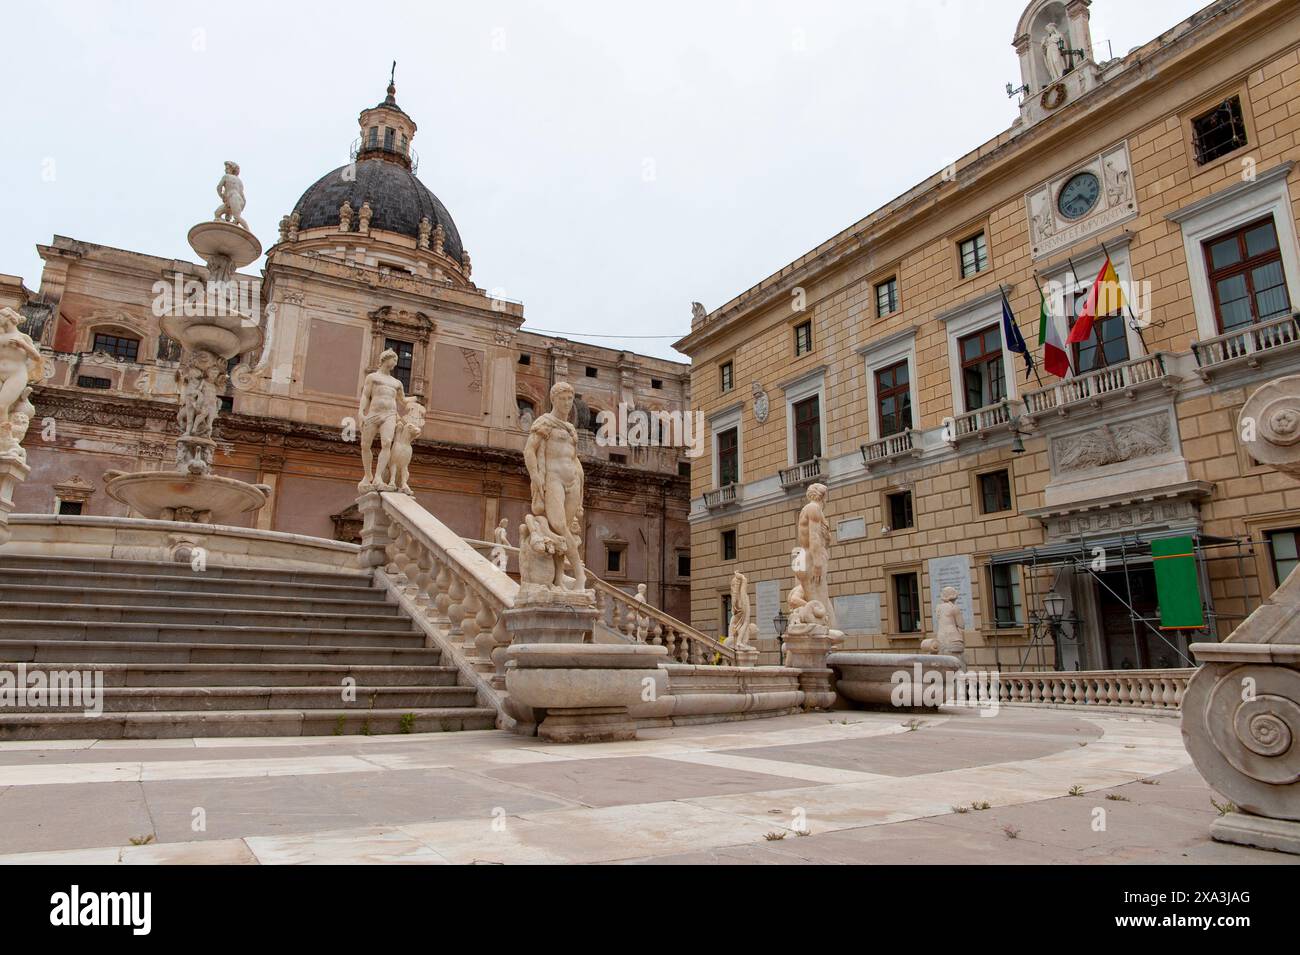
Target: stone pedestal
746	656
807	653
374	531
580	692
12	473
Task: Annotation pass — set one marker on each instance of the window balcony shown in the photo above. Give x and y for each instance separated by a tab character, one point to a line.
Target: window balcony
720	497
981	423
891	448
1088	390
805	472
1246	347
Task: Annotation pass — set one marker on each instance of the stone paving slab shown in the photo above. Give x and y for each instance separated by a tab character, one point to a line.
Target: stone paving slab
866	787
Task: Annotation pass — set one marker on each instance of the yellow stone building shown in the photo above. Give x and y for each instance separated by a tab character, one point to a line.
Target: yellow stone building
877	365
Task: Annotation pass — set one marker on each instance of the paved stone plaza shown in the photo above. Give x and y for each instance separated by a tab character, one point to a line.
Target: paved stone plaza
872	790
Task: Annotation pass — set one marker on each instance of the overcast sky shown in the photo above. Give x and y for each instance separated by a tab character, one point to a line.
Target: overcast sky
606	163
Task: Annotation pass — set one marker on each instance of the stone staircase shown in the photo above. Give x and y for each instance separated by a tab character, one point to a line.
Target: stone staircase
222	652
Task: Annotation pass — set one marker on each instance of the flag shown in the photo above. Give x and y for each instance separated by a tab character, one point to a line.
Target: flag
1055	358
1014	340
1104	298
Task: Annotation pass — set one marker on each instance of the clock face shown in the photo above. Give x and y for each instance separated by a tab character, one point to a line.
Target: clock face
1078	195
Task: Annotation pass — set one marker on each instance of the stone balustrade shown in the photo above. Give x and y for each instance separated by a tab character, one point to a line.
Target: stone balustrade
448	580
981	422
720	497
1246	345
891	447
805	472
1124	379
1142	689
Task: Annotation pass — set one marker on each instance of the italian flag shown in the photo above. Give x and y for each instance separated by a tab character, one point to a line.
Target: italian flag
1055	358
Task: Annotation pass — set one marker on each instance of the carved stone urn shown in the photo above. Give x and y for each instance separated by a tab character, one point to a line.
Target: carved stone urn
1241	710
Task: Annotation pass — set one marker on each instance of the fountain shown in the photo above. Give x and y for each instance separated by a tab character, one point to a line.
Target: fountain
211	330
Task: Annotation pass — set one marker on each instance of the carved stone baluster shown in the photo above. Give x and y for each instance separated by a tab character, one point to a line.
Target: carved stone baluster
423	578
500	642
485	641
1145	685
469	624
455	605
656	632
441	584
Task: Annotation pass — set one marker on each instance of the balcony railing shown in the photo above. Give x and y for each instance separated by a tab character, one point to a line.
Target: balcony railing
981	422
805	472
904	444
1142	689
1125	379
720	497
1246	345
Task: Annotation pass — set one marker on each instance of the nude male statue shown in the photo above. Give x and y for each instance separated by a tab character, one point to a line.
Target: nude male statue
555	474
815	539
231	190
383	399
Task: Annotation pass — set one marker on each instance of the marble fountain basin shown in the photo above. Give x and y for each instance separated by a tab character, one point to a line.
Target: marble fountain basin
171	495
892	680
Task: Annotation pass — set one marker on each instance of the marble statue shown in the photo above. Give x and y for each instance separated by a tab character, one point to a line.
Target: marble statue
949	636
556	478
697	312
465	263
345	217
363	216
426	230
541	554
740	631
231	190
499	555
1052	56
20	365
383	399
642	620
393	471
815	541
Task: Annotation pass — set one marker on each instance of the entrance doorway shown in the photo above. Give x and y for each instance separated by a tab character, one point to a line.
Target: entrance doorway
1129	644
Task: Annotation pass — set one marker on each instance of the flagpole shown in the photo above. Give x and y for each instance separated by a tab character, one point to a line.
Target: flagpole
1033	366
1129	308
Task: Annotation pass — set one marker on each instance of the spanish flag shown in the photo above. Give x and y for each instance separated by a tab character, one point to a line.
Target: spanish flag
1104	298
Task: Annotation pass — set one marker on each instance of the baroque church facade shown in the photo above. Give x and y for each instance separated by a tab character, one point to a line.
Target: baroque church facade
367	260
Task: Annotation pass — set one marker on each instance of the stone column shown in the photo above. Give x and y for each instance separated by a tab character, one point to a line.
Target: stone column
12	473
1241	709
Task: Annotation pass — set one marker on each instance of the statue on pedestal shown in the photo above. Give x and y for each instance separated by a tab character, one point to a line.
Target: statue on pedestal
21	365
231	190
556	477
740	632
642	620
815	541
383	399
1053	58
499	555
393	471
949	636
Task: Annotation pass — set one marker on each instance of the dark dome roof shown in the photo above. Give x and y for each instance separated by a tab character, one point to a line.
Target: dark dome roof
397	201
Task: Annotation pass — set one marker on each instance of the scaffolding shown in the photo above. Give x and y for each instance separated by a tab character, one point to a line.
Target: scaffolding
1093	557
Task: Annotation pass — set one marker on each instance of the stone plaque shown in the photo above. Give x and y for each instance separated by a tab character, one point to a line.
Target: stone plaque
858	613
1081	201
855	528
952	572
766	605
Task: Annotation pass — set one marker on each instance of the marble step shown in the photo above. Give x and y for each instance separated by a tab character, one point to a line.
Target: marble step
224	602
246	674
111	651
239	723
275	631
159	613
191	583
113	565
158	699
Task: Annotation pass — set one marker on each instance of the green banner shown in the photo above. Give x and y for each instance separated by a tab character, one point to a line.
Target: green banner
1178	586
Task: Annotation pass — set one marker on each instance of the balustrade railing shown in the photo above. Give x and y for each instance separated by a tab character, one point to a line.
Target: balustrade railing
890	447
1143	689
981	421
720	497
1125	378
802	473
642	623
1244	345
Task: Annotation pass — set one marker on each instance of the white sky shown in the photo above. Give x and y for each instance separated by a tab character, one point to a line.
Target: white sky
767	126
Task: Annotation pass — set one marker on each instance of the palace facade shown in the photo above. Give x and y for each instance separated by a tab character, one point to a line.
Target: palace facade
368	259
877	365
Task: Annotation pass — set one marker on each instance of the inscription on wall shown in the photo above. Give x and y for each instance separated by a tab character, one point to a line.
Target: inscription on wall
855	528
952	572
858	613
766	605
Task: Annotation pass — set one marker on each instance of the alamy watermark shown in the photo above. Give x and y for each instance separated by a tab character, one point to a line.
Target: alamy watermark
929	687
637	428
53	689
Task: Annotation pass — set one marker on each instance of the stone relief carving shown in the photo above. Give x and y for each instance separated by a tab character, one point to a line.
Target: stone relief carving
761	404
1050	230
1113	444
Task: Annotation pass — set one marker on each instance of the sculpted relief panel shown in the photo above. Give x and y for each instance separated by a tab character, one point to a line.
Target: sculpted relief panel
1081	201
1113	444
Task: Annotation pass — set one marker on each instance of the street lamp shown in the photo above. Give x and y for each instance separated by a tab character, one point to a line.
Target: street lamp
778	624
1054	604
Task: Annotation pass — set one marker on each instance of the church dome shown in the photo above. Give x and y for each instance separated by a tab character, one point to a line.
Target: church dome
398	201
